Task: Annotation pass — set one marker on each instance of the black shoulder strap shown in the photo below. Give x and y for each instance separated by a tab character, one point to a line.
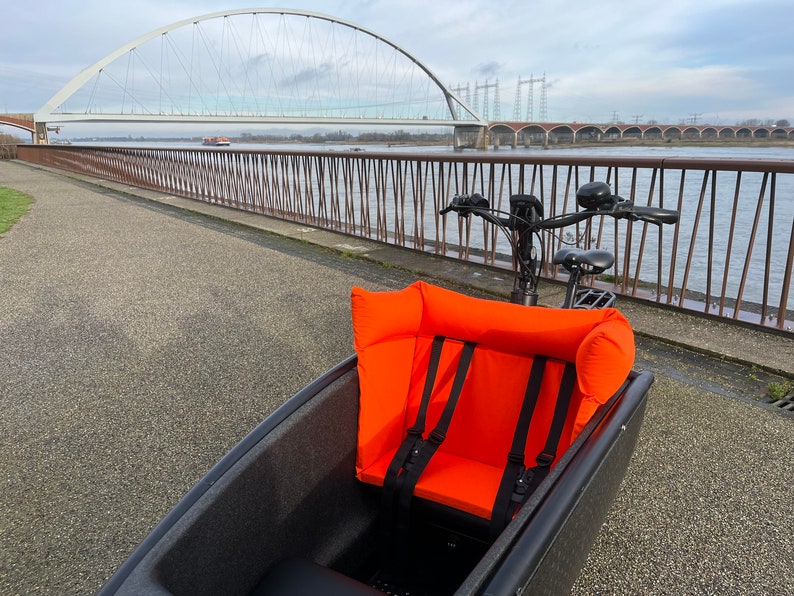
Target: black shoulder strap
527	480
415	452
502	509
549	453
421	456
414	433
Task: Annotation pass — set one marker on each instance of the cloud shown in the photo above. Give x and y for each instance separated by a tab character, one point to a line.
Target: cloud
664	59
309	76
488	70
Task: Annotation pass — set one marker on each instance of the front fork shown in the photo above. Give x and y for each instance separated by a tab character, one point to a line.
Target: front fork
525	286
525	210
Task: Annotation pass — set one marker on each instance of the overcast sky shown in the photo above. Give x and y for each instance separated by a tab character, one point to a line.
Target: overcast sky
719	61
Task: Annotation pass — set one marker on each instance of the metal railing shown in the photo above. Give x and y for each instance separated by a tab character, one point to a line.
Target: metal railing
8	151
731	255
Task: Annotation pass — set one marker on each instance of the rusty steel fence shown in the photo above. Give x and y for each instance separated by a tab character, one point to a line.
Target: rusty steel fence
731	254
8	151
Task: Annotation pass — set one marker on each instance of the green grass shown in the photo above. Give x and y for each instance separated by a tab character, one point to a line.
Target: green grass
781	389
13	205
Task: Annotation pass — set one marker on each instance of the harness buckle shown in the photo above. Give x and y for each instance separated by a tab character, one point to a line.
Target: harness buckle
413	454
522	485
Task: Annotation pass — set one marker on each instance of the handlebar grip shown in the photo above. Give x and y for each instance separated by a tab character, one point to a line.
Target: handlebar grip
655	215
565	220
477	200
465	204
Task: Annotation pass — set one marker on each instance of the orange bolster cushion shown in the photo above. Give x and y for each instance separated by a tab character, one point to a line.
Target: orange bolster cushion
393	332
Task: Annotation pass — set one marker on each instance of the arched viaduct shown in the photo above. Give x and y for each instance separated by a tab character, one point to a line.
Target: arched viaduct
21	121
546	133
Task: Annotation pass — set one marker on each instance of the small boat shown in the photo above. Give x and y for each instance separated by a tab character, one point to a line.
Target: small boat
216	141
293	509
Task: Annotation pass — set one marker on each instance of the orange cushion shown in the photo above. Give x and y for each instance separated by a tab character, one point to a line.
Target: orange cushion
393	333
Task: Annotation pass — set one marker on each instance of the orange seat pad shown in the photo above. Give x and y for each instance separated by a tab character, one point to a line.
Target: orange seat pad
393	334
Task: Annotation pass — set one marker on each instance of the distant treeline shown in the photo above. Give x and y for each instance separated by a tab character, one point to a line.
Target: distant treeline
340	136
398	136
7	139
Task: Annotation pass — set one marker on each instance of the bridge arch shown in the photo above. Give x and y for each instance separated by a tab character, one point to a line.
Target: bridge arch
561	133
532	134
588	133
259	66
633	132
653	133
502	134
727	133
21	121
691	132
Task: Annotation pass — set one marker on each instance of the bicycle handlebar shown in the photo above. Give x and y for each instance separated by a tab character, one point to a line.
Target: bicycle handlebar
464	204
525	221
613	206
562	221
655	215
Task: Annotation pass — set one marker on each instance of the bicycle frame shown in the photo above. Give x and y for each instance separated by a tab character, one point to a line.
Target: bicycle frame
526	215
525	220
525	212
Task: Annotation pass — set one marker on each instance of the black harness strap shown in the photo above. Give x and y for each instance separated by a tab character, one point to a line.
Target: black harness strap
549	452
528	479
415	452
514	469
424	451
414	434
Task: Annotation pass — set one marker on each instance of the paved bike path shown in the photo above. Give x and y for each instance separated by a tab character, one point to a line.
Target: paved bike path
140	339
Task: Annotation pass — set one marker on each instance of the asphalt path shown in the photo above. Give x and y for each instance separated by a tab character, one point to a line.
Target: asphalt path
140	340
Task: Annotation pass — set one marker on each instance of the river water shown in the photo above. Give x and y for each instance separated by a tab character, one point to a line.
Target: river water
729	151
736	233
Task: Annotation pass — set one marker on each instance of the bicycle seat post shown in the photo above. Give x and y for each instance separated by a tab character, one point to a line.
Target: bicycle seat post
572	287
578	263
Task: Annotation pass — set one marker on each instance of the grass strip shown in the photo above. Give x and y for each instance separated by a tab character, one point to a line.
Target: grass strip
13	205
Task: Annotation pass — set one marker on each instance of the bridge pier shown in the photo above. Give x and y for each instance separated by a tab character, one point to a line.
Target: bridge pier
40	137
470	136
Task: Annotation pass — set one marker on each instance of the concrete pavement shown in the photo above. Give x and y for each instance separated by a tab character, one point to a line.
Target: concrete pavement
142	336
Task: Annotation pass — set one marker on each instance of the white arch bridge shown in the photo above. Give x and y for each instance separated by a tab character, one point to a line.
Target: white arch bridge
260	66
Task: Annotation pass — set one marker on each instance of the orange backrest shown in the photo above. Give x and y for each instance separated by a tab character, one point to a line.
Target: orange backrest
393	334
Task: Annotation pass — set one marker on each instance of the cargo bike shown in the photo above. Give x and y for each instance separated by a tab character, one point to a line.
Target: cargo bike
469	446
